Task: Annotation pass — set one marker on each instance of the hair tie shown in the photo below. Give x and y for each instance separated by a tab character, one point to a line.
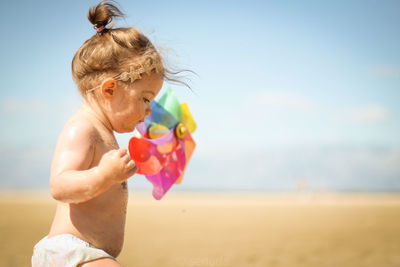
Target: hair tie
99	29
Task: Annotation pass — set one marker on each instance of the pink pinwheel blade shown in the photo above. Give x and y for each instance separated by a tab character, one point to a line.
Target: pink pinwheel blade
172	170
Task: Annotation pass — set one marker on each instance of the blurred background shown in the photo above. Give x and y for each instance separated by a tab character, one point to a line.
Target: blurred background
298	150
290	95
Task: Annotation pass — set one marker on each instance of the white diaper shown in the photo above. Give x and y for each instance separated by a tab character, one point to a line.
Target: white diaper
65	250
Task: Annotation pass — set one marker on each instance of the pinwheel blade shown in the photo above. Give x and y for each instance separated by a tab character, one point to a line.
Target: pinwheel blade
189	146
170	103
173	168
187	118
161	116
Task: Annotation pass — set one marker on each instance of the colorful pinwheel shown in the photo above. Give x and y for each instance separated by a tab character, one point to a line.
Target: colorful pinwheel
165	145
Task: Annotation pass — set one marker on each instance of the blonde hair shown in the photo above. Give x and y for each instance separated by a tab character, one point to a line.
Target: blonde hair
113	51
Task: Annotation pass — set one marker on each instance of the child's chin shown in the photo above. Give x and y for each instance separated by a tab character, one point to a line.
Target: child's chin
132	128
126	130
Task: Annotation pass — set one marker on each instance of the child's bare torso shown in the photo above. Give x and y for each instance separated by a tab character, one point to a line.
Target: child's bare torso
100	220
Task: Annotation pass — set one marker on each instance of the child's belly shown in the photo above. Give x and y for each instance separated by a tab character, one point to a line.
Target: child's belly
100	221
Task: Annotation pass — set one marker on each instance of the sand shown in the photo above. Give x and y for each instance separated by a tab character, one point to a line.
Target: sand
230	229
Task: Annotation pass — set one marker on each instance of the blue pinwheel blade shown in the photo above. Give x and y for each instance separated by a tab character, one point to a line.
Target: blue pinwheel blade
161	116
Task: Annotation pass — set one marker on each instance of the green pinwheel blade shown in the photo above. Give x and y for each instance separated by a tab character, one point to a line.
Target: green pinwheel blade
170	103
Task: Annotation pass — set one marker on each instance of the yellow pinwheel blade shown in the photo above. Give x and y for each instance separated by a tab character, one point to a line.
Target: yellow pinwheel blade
187	118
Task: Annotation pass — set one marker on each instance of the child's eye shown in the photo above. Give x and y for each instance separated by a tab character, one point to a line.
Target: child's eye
146	100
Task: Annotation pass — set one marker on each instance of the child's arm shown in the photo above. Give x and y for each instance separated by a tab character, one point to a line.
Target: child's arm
71	181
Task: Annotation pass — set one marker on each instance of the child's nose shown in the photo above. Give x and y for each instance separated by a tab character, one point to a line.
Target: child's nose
148	111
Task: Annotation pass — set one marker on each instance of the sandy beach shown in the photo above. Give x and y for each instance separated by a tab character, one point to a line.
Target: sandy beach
229	229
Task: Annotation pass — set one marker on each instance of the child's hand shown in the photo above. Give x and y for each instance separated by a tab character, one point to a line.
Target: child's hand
117	165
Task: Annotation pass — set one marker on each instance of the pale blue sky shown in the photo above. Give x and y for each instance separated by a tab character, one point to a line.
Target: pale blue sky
287	90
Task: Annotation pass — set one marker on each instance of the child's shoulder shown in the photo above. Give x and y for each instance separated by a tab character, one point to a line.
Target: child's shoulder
79	130
76	144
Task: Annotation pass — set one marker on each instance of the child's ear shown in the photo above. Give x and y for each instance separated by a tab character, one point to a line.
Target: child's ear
108	88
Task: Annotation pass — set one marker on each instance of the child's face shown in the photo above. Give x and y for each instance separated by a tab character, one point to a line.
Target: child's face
131	104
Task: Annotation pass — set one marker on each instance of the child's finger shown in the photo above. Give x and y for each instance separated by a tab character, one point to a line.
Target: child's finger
126	158
130	164
122	151
132	167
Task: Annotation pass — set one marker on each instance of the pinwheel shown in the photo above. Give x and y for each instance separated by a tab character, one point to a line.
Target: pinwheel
164	144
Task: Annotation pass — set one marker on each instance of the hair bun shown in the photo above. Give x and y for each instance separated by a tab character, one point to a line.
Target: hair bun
103	14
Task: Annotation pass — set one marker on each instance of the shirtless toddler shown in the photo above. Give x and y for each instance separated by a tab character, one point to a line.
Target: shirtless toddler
118	72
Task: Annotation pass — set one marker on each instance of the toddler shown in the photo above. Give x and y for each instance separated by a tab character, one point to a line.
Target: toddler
118	72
